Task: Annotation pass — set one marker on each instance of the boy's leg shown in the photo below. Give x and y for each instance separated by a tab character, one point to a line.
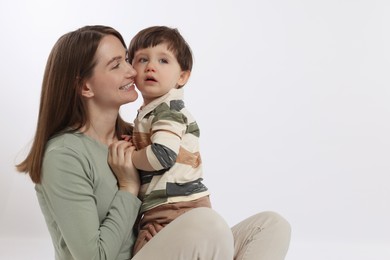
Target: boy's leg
265	236
198	234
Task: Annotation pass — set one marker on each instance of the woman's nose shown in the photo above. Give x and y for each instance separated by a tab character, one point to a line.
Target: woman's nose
131	72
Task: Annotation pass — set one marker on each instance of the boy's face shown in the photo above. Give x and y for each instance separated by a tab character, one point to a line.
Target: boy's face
157	72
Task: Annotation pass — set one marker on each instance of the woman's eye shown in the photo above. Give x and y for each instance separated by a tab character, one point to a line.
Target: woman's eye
116	66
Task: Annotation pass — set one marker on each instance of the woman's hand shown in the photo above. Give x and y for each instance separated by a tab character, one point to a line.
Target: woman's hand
119	159
127	138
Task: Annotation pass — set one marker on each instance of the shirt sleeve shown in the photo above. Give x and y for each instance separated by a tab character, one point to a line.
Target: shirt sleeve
68	191
168	128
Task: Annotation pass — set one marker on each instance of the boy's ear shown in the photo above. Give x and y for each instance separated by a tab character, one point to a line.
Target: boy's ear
86	91
184	76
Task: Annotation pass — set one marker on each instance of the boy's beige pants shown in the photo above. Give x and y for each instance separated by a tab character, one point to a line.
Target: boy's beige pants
202	234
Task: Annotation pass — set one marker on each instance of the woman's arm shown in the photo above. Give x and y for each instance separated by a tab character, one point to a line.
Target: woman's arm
72	213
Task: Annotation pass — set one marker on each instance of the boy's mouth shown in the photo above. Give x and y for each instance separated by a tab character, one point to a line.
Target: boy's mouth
151	79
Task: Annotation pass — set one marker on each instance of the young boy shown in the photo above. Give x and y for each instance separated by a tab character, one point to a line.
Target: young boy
165	133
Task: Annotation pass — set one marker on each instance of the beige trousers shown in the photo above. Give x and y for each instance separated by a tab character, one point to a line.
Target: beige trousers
202	234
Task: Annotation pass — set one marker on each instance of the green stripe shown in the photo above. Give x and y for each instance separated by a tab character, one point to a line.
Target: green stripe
193	128
163	112
155	198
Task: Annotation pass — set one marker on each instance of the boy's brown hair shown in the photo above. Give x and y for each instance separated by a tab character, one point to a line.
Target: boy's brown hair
152	36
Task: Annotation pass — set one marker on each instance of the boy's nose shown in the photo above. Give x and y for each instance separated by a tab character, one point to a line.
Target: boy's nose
150	66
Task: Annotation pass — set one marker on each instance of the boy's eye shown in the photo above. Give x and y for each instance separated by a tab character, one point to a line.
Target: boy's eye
163	61
142	60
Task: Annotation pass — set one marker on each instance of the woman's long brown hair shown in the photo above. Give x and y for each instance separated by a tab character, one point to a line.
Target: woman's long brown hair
61	109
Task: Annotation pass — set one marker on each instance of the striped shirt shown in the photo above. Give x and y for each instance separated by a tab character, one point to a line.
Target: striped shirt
170	135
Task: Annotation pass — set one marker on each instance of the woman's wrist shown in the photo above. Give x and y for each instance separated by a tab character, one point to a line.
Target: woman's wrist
130	188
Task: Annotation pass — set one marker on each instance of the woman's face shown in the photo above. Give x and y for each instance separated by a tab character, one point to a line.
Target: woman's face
112	82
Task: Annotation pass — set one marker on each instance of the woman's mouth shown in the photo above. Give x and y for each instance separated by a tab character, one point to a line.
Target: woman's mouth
127	87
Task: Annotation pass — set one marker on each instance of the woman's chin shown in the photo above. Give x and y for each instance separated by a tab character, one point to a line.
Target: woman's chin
132	96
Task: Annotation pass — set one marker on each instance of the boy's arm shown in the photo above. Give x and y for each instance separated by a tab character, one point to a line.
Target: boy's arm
157	156
140	160
167	131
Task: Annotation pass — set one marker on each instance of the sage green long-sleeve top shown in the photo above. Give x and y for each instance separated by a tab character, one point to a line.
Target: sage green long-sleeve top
87	216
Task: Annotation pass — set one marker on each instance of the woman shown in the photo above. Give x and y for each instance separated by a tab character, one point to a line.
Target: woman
90	211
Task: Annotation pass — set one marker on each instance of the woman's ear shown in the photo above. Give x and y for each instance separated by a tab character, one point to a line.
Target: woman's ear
184	76
86	91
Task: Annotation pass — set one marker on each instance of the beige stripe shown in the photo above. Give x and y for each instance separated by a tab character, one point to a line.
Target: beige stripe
188	158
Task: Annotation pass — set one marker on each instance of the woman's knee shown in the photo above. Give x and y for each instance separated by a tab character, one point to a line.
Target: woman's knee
273	220
265	220
278	220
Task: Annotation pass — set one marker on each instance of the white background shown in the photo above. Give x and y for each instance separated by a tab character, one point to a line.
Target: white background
292	98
